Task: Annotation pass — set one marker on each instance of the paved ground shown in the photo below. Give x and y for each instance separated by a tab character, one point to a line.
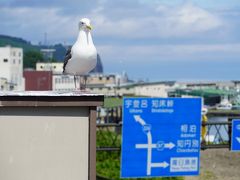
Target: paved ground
218	164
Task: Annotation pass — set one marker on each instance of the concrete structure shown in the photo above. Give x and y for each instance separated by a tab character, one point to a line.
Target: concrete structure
11	66
48	135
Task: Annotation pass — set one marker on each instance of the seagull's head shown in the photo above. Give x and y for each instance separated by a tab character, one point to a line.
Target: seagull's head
84	24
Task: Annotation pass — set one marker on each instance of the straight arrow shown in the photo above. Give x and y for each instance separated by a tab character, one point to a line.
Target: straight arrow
139	119
144	146
169	145
163	164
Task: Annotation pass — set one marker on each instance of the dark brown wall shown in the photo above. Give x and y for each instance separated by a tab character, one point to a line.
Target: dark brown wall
38	80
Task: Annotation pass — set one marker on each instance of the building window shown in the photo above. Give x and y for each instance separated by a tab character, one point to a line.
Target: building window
41	67
19	54
19	61
14	61
5	60
54	67
14	53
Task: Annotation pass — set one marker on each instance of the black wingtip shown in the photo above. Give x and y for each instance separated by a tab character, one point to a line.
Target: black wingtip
66	58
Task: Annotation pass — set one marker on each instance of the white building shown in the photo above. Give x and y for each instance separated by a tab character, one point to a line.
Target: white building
11	66
63	82
56	67
154	89
108	84
96	83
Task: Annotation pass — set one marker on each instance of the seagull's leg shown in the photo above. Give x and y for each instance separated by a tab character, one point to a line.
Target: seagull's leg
85	82
80	83
75	82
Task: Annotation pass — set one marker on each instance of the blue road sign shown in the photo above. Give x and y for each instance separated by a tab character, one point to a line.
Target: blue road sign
161	137
235	142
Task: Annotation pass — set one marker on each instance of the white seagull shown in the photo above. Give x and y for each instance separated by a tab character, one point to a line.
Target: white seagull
82	57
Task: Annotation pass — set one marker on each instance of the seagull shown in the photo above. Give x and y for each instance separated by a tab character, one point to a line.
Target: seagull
81	58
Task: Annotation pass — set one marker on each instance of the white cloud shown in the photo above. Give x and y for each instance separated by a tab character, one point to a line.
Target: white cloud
131	23
32	23
162	22
192	19
146	53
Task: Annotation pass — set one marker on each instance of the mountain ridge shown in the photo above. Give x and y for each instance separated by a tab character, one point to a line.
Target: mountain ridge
58	55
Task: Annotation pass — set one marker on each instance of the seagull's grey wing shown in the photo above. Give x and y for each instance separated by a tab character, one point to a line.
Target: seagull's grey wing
66	58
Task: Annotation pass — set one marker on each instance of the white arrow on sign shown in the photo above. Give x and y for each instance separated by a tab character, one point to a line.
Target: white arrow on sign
166	145
139	119
238	139
149	148
163	164
169	145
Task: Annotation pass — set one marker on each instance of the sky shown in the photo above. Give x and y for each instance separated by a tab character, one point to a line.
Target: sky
155	40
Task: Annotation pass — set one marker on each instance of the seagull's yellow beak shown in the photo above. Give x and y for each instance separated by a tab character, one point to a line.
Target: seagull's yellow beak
89	27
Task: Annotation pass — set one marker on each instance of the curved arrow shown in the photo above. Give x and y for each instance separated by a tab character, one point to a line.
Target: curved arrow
149	145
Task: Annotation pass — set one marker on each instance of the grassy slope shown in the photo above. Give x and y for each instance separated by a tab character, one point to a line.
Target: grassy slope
112	102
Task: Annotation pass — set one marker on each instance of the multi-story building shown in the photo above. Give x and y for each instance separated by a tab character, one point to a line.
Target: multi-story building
96	81
11	66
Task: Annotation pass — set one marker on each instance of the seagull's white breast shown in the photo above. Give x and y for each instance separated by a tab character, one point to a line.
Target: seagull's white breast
83	60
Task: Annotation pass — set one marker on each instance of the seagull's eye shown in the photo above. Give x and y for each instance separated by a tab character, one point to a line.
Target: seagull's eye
82	23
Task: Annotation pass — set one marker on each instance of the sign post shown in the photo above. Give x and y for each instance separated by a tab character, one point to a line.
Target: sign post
235	141
161	137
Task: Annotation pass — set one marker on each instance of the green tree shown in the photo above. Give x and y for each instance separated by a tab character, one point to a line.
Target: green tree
30	59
